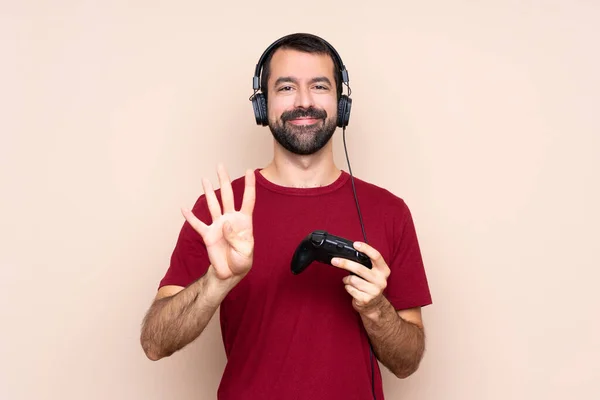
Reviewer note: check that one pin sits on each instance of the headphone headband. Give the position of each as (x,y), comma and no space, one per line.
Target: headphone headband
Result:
(256,77)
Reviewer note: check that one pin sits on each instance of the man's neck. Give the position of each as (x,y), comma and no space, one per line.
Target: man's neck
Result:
(292,170)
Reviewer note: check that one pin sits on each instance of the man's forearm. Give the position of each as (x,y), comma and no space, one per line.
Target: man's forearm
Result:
(398,344)
(173,322)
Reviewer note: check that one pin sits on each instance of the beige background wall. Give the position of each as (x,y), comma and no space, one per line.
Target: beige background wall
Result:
(483,116)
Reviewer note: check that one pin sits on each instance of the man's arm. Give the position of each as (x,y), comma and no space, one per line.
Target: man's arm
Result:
(398,337)
(178,316)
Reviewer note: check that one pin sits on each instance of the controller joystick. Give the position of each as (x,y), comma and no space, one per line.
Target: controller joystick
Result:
(323,246)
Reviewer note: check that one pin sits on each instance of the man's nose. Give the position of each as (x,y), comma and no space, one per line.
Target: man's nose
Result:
(304,98)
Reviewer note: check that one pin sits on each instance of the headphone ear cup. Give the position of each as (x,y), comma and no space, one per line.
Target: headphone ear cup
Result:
(256,108)
(344,107)
(259,104)
(263,110)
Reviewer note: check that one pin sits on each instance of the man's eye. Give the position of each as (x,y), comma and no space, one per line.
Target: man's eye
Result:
(285,88)
(321,87)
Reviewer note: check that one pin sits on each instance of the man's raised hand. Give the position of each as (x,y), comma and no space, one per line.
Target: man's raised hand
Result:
(229,239)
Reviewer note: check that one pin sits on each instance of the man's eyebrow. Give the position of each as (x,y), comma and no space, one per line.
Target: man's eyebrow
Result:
(285,79)
(290,79)
(321,79)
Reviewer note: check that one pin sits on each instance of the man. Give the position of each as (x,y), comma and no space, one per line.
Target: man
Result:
(305,336)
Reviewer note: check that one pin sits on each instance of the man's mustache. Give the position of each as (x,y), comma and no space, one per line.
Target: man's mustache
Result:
(310,112)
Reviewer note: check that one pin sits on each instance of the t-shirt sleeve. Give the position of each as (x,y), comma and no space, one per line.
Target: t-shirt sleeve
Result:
(407,285)
(189,260)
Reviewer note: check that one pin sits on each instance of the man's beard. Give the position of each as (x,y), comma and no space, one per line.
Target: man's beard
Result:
(303,139)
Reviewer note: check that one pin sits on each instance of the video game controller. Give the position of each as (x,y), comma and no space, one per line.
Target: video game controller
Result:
(323,246)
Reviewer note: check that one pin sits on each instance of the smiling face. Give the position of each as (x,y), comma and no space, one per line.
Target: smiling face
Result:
(302,100)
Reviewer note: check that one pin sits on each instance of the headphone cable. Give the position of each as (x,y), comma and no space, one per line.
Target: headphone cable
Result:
(362,225)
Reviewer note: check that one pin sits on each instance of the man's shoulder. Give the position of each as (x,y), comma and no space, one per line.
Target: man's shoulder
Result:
(376,192)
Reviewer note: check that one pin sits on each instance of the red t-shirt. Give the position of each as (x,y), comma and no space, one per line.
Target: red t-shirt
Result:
(297,336)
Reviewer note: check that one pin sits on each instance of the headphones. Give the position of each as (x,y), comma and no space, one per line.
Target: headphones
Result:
(259,102)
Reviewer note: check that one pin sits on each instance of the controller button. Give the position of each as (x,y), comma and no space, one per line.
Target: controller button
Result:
(317,238)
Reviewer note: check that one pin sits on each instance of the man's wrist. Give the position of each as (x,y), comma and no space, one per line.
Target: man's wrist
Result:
(376,312)
(216,289)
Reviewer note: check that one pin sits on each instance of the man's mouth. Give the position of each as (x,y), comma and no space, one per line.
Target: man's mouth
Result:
(303,121)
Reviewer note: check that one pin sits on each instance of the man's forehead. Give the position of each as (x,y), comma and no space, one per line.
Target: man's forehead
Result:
(290,61)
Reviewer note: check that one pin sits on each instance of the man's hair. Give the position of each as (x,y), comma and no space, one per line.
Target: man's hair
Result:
(307,44)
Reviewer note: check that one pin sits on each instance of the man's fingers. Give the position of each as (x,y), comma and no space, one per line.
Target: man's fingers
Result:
(226,190)
(374,255)
(354,267)
(362,285)
(360,298)
(249,193)
(198,225)
(211,199)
